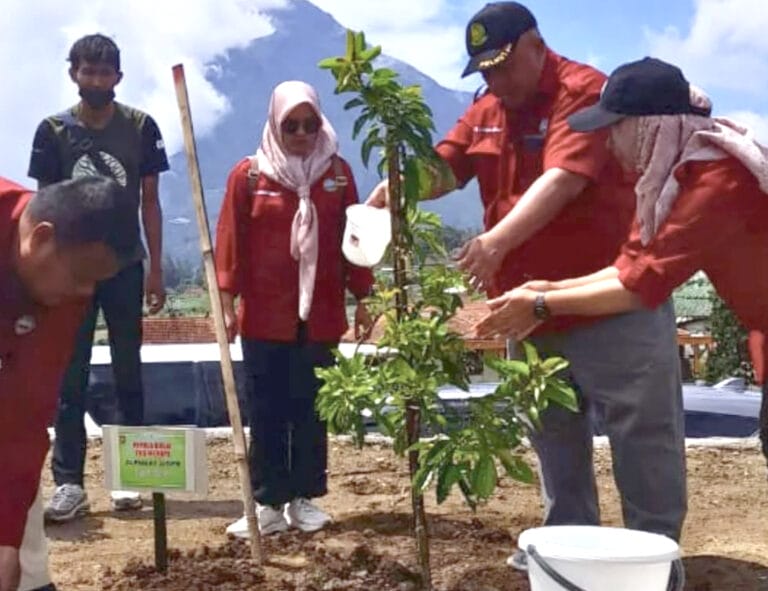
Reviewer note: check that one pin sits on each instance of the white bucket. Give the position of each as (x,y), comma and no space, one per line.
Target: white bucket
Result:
(591,558)
(366,235)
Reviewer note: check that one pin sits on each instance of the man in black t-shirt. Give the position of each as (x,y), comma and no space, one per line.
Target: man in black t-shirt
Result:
(99,136)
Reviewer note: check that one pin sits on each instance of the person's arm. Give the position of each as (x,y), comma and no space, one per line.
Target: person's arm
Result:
(598,298)
(44,159)
(545,285)
(152,220)
(359,280)
(512,314)
(570,161)
(153,161)
(758,354)
(10,568)
(230,245)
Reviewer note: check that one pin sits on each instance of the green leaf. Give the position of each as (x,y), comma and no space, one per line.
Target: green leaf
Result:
(531,355)
(446,478)
(330,63)
(484,476)
(355,102)
(563,395)
(371,53)
(359,124)
(515,466)
(350,44)
(553,365)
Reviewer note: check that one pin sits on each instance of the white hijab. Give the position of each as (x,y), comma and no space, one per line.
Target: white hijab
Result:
(665,142)
(298,174)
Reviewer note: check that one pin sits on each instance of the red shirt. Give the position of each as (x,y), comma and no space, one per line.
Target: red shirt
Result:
(718,224)
(36,345)
(508,151)
(253,257)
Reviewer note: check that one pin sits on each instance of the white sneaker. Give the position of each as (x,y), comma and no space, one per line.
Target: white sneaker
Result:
(68,502)
(123,500)
(306,516)
(271,521)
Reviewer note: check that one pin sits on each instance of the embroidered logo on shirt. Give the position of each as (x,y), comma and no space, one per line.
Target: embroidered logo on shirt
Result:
(24,325)
(477,129)
(329,185)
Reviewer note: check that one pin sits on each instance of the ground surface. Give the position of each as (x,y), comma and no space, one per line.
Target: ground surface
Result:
(369,547)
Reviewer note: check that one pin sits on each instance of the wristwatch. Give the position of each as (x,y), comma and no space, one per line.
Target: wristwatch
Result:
(540,308)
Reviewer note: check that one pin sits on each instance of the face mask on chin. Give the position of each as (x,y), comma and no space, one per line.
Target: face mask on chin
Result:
(96,98)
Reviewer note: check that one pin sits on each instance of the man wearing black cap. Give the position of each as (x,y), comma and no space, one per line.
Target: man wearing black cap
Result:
(702,204)
(558,205)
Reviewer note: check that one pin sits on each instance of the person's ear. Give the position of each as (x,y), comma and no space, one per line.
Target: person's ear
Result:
(42,237)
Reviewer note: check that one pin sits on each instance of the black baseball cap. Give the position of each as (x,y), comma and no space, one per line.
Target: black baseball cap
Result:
(646,87)
(492,33)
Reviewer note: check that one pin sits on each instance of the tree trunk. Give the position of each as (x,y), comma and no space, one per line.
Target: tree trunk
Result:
(412,412)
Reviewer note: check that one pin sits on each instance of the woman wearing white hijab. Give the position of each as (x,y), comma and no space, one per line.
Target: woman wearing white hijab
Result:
(702,204)
(278,247)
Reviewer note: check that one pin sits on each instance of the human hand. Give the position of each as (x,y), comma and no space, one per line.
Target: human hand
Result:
(10,568)
(511,316)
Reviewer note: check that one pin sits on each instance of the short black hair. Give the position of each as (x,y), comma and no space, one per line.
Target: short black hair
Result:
(96,49)
(89,210)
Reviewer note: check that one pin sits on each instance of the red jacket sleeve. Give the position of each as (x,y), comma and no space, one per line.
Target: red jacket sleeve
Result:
(230,231)
(453,149)
(359,279)
(700,223)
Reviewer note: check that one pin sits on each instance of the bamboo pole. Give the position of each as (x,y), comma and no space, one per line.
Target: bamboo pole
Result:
(412,411)
(227,373)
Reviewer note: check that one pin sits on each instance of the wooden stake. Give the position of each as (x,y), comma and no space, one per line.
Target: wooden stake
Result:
(161,532)
(227,373)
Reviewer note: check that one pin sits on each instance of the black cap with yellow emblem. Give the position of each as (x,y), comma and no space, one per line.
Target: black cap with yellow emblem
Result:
(493,32)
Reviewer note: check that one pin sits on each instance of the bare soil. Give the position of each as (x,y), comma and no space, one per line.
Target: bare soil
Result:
(369,546)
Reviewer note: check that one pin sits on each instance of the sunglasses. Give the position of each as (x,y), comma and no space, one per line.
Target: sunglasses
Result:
(310,125)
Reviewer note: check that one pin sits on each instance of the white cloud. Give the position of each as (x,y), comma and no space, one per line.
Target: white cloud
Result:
(153,36)
(427,34)
(755,121)
(726,47)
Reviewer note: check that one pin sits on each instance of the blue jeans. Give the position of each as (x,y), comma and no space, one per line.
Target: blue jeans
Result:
(120,298)
(288,453)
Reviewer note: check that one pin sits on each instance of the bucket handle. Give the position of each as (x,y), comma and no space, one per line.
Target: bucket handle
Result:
(551,572)
(677,583)
(677,567)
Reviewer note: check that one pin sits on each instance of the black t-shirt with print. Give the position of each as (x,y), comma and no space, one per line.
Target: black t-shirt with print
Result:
(128,148)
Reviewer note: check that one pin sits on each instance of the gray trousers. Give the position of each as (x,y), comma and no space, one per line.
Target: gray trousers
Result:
(627,374)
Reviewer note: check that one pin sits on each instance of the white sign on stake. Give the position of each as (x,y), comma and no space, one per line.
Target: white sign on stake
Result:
(156,459)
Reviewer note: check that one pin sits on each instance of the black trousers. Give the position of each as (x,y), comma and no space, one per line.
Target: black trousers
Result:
(288,453)
(121,300)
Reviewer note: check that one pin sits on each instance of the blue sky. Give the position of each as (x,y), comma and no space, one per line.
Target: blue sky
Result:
(722,45)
